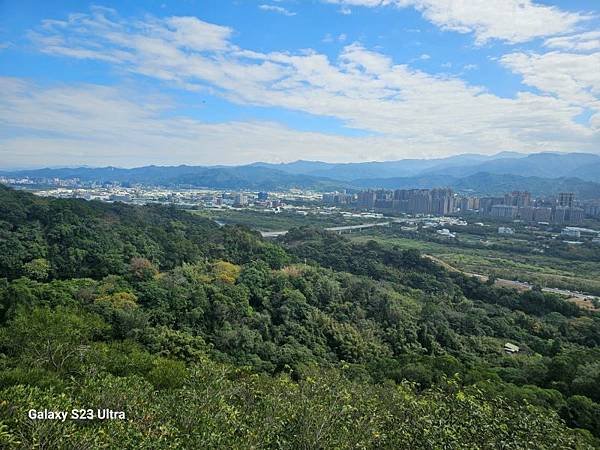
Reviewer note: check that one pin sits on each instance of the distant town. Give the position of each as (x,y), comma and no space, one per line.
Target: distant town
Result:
(563,209)
(422,204)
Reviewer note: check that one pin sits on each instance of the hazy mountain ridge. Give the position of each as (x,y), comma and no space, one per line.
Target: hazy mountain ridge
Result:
(541,173)
(237,177)
(484,183)
(545,165)
(383,169)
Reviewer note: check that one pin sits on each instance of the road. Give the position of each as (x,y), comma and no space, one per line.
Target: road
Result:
(339,230)
(519,285)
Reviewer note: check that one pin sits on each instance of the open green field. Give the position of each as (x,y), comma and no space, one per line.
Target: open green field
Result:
(535,268)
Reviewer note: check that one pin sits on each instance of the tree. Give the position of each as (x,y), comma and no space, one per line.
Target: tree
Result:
(142,269)
(226,272)
(168,374)
(37,269)
(57,339)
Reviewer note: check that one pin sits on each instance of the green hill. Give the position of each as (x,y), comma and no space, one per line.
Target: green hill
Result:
(210,337)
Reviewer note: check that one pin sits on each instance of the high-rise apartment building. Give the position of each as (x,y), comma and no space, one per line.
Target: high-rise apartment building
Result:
(504,211)
(566,199)
(517,198)
(442,202)
(486,204)
(366,199)
(240,199)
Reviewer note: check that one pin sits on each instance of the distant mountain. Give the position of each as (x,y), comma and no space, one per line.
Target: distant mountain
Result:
(540,173)
(418,182)
(545,165)
(489,184)
(384,169)
(588,172)
(240,177)
(251,177)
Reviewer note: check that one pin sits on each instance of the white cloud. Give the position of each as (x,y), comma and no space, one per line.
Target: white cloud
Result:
(328,39)
(345,11)
(277,9)
(409,111)
(571,77)
(513,21)
(583,42)
(100,125)
(191,33)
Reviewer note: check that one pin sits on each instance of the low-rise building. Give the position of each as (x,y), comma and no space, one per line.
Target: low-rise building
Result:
(505,230)
(511,348)
(571,233)
(446,233)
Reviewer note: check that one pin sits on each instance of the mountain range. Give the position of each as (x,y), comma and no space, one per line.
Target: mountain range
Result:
(540,173)
(585,166)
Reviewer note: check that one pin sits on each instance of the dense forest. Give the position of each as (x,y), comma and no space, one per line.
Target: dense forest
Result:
(211,337)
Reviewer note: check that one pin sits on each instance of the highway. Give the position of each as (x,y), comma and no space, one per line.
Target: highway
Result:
(339,230)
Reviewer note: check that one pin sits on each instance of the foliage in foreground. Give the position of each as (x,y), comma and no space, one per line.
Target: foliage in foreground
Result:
(211,337)
(218,406)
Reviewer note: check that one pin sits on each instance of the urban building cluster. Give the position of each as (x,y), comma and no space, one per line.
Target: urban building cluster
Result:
(242,199)
(184,198)
(57,182)
(439,202)
(517,205)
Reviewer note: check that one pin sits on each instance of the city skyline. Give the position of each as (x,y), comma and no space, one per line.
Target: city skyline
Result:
(204,83)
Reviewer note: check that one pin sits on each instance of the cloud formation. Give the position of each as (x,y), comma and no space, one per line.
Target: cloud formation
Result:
(100,125)
(581,42)
(570,77)
(277,9)
(404,111)
(513,21)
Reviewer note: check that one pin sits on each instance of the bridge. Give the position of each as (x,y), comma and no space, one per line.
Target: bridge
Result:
(273,234)
(351,228)
(338,230)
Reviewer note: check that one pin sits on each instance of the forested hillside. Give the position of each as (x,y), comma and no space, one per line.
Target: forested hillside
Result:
(210,337)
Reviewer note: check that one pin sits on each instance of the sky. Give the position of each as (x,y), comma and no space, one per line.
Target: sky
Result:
(202,82)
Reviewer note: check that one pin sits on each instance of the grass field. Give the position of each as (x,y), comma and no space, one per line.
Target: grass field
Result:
(533,268)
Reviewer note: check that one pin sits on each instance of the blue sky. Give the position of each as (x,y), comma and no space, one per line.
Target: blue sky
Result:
(129,83)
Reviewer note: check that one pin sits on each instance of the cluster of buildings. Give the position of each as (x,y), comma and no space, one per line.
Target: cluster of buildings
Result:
(242,199)
(26,181)
(187,198)
(592,208)
(578,232)
(439,202)
(517,205)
